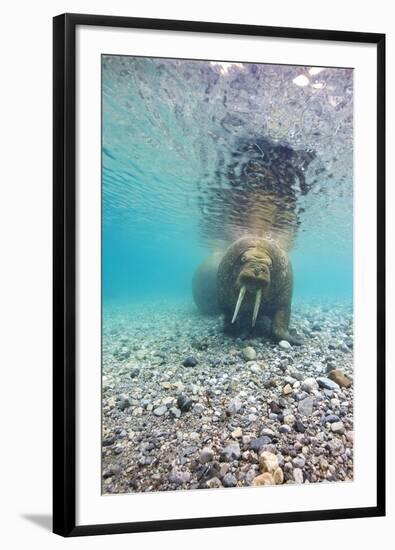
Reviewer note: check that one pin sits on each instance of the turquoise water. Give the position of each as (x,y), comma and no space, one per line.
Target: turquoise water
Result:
(171,129)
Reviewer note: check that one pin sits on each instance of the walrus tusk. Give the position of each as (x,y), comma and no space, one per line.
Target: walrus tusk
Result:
(258,299)
(238,304)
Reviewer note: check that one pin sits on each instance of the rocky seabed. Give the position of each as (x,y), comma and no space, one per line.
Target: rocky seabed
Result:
(186,407)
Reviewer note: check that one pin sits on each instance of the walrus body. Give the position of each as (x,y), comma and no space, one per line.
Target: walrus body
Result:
(255,280)
(204,285)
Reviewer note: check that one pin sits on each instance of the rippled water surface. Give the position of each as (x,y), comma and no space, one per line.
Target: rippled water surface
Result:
(195,151)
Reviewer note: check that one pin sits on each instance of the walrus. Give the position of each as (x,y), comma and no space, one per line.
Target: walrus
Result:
(204,285)
(255,279)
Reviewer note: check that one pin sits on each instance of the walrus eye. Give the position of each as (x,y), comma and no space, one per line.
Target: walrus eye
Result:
(243,259)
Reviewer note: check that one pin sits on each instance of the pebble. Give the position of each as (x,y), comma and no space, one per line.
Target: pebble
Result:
(135,371)
(299,426)
(160,411)
(267,432)
(255,369)
(175,412)
(249,353)
(285,344)
(237,433)
(263,479)
(184,403)
(231,452)
(275,407)
(229,480)
(124,402)
(340,378)
(112,470)
(198,409)
(309,385)
(206,455)
(258,443)
(289,419)
(168,401)
(285,429)
(327,384)
(332,418)
(268,462)
(278,476)
(213,483)
(287,389)
(299,462)
(336,447)
(178,477)
(190,362)
(250,475)
(350,436)
(234,406)
(305,407)
(298,475)
(107,441)
(337,427)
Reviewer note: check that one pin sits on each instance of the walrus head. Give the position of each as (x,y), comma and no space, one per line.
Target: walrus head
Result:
(253,278)
(245,275)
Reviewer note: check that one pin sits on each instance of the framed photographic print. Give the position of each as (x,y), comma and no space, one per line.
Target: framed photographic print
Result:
(218,275)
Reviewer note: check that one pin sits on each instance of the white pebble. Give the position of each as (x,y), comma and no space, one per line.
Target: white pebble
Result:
(284,344)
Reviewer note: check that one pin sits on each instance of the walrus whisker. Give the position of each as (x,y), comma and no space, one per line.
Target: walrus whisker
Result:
(239,301)
(257,304)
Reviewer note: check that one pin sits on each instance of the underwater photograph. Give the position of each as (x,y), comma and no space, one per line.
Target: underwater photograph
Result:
(227,274)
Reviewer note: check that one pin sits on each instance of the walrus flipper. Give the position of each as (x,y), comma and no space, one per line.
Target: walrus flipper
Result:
(280,324)
(282,311)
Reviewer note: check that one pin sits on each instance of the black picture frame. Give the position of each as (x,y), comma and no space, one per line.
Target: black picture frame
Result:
(64,273)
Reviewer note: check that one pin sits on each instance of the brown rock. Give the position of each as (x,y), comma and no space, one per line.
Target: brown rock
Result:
(263,479)
(340,378)
(268,462)
(278,476)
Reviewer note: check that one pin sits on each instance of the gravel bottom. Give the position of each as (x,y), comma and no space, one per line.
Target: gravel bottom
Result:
(186,407)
